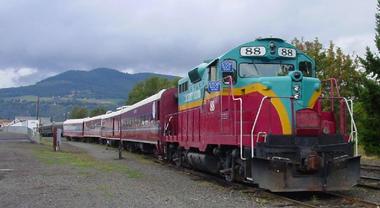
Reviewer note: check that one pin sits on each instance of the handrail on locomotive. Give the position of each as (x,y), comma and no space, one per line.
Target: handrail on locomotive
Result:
(353,130)
(230,83)
(350,107)
(353,137)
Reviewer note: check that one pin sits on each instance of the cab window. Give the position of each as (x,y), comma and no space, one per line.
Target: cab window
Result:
(265,69)
(212,73)
(183,87)
(306,68)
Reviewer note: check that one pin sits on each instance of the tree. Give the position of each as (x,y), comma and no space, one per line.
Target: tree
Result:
(97,111)
(149,87)
(78,112)
(370,94)
(333,63)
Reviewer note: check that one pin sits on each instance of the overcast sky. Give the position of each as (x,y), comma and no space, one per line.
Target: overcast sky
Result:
(40,38)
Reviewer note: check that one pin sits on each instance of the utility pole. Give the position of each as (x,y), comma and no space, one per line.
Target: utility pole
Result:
(37,118)
(38,107)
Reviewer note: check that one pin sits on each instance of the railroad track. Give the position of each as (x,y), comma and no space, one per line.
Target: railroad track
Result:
(295,199)
(366,167)
(367,180)
(327,199)
(301,199)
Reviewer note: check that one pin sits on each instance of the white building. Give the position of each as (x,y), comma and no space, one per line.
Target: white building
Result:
(30,122)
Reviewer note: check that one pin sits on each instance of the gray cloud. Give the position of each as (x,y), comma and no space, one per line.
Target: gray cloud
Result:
(168,36)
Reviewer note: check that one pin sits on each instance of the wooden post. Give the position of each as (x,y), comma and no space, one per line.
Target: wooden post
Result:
(54,130)
(120,150)
(121,141)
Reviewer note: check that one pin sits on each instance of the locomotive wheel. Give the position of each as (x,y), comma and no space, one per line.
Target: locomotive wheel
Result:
(129,148)
(230,173)
(177,158)
(229,177)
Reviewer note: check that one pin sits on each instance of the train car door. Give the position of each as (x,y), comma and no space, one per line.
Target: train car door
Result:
(212,104)
(227,113)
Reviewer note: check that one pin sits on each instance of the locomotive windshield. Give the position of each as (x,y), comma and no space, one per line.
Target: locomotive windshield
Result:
(265,70)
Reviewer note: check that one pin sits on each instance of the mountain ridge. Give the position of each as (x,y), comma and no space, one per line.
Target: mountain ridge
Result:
(100,87)
(97,83)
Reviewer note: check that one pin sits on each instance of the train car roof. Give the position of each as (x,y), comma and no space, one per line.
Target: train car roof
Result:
(115,113)
(93,118)
(73,121)
(145,101)
(112,114)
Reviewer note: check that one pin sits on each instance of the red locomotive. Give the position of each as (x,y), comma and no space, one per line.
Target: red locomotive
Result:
(254,114)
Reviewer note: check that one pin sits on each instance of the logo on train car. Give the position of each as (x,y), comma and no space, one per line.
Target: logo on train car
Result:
(193,96)
(227,66)
(214,86)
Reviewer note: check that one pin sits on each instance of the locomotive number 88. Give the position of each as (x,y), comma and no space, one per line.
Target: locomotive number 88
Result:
(256,114)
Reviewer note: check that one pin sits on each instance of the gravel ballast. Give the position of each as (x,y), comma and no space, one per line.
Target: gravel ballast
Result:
(89,175)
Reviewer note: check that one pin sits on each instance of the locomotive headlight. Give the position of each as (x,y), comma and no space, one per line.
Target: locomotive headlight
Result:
(296,88)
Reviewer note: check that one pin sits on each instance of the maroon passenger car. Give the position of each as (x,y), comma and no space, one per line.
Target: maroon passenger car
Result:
(92,126)
(73,128)
(142,124)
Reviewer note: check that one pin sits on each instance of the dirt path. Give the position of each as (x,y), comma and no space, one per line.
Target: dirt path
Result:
(88,175)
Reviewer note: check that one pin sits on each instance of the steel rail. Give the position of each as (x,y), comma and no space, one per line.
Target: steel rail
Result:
(354,199)
(370,167)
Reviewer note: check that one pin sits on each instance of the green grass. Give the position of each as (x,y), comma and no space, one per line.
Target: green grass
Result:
(365,155)
(81,161)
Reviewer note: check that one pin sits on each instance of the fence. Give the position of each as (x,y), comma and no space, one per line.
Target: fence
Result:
(19,133)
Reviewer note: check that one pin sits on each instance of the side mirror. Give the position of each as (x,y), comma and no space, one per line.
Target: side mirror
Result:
(194,76)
